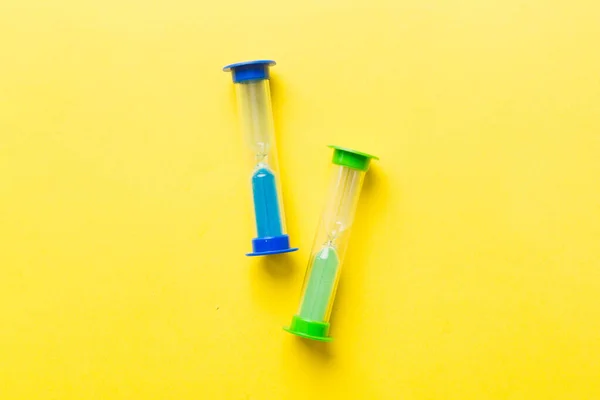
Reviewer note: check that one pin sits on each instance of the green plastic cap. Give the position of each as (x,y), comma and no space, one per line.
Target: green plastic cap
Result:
(309,329)
(352,158)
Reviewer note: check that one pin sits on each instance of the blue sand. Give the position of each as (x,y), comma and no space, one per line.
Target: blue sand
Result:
(266,204)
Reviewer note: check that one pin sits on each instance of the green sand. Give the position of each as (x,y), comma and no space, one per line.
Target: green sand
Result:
(320,285)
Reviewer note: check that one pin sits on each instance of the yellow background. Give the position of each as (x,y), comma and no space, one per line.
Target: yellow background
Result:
(474,268)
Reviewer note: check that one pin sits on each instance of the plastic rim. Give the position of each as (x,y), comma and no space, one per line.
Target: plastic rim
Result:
(264,246)
(268,63)
(249,71)
(352,158)
(271,252)
(309,329)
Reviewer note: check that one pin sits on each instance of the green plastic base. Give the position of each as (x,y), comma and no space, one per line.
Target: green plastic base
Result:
(309,329)
(352,158)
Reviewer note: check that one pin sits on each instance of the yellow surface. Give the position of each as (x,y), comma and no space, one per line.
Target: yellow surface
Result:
(474,270)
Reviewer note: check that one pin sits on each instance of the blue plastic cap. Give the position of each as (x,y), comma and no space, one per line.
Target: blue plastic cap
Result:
(271,245)
(249,70)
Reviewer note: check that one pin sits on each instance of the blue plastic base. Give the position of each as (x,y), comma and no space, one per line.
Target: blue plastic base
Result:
(268,253)
(256,70)
(271,245)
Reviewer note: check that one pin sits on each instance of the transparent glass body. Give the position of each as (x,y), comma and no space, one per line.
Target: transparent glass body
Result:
(331,241)
(256,115)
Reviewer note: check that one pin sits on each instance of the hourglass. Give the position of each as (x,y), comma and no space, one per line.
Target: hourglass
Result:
(331,240)
(251,80)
